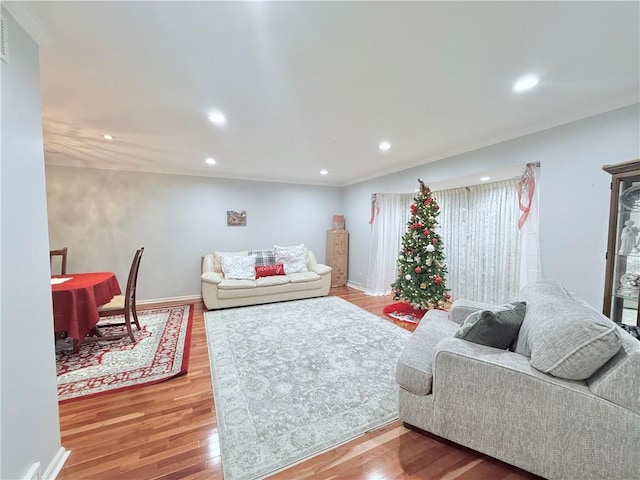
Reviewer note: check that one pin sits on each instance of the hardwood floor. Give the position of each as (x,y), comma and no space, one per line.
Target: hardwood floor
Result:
(169,431)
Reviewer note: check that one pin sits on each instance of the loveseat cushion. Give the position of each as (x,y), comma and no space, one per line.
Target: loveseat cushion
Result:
(414,369)
(563,336)
(496,327)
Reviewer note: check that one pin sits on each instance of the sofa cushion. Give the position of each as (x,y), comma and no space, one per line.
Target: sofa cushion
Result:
(563,336)
(414,369)
(293,257)
(303,277)
(494,328)
(303,286)
(269,270)
(271,281)
(257,295)
(228,284)
(239,268)
(264,257)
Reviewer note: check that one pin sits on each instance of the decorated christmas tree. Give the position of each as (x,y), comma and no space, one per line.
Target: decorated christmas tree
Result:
(421,280)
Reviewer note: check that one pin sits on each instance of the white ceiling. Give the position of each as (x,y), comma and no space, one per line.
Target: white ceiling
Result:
(317,85)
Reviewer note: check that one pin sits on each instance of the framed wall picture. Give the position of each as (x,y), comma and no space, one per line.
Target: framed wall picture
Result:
(236,219)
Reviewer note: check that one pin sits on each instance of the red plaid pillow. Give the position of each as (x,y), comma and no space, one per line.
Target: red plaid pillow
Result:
(269,270)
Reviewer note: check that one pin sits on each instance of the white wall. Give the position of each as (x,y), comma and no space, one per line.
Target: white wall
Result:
(29,427)
(574,193)
(103,216)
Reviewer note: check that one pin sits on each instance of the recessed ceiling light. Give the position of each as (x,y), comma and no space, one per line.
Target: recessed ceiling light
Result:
(210,161)
(106,136)
(525,83)
(218,118)
(384,146)
(485,179)
(324,172)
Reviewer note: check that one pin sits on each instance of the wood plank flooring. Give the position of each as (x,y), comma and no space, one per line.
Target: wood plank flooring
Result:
(169,431)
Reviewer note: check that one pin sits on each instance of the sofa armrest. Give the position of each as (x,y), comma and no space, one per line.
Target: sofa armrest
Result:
(321,269)
(211,277)
(207,263)
(461,309)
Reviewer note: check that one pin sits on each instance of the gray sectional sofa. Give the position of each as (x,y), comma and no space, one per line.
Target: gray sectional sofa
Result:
(564,405)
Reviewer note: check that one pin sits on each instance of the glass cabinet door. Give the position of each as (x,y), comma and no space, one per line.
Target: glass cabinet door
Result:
(622,286)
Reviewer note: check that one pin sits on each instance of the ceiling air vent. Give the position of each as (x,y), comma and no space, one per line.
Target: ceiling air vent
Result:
(4,41)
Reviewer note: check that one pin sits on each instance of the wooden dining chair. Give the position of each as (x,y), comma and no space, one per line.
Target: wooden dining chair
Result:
(126,304)
(62,253)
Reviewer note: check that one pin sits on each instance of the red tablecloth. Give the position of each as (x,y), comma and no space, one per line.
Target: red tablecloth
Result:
(76,301)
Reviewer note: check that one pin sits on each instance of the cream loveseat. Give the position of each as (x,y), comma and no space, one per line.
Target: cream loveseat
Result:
(564,405)
(311,279)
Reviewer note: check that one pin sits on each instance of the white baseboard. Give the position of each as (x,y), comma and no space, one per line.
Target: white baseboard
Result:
(56,464)
(183,299)
(355,285)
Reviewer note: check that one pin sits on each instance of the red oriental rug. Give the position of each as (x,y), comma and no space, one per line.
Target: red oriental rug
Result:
(404,312)
(160,353)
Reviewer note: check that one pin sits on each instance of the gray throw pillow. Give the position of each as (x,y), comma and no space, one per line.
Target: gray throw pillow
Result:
(497,328)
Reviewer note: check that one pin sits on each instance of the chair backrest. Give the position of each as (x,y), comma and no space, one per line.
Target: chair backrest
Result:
(63,253)
(130,293)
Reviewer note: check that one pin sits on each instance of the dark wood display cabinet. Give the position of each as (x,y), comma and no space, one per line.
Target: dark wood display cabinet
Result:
(622,282)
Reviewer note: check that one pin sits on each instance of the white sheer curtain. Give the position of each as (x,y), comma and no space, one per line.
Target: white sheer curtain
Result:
(478,226)
(389,216)
(529,195)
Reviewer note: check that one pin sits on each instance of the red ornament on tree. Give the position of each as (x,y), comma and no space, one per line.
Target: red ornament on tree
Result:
(413,208)
(437,280)
(428,201)
(418,269)
(426,232)
(434,241)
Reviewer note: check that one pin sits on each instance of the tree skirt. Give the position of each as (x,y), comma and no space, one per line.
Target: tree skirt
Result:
(404,312)
(161,352)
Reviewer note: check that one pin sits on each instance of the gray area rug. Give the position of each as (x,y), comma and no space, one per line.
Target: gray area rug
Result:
(294,379)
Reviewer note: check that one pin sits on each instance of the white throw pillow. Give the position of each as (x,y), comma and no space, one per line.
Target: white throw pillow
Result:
(239,268)
(217,258)
(294,258)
